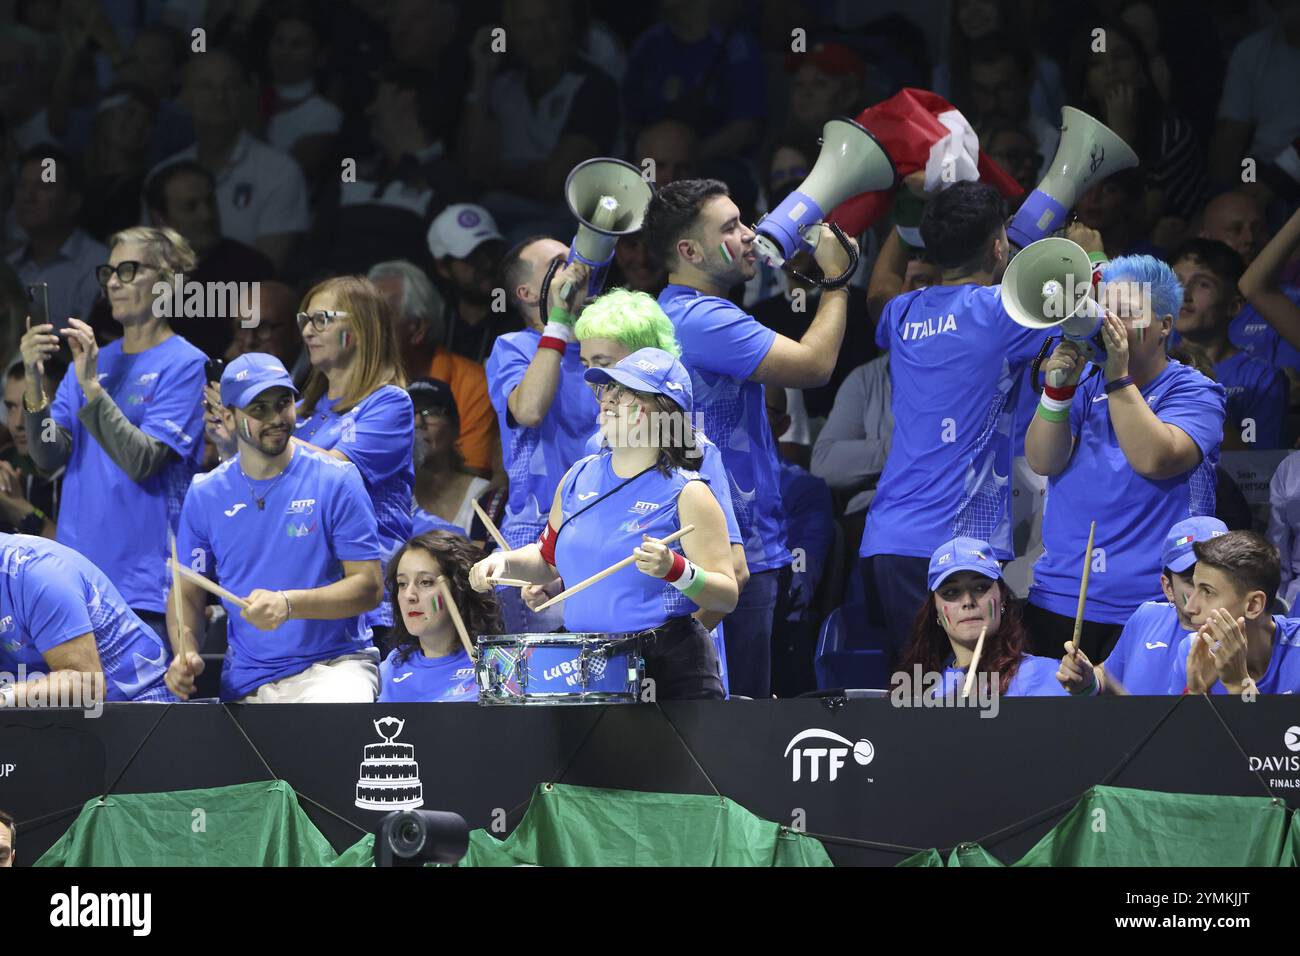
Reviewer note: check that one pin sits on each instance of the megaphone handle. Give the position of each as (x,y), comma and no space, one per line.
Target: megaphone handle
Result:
(543,293)
(843,278)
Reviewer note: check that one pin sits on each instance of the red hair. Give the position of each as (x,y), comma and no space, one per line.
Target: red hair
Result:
(930,647)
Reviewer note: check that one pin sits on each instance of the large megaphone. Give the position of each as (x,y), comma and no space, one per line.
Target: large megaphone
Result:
(1089,151)
(1049,285)
(851,161)
(608,197)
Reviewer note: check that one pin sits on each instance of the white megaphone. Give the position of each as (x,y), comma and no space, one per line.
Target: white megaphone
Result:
(1089,151)
(851,161)
(1049,285)
(608,197)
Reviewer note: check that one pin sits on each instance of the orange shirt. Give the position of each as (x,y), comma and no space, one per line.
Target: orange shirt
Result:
(478,422)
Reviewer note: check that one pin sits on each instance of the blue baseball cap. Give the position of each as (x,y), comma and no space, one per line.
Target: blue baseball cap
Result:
(649,370)
(1178,555)
(250,375)
(962,554)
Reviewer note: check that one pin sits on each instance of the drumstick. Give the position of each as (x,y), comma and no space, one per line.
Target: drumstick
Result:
(491,528)
(200,581)
(509,582)
(454,611)
(1083,587)
(601,575)
(974,662)
(178,643)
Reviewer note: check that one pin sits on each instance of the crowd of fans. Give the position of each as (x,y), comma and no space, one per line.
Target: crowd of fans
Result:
(391,175)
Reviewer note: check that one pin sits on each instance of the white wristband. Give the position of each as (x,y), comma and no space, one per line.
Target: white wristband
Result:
(558,330)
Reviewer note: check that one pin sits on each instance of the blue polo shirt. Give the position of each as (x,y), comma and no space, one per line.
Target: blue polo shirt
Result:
(1282,676)
(412,677)
(1034,677)
(1258,392)
(1251,332)
(1141,658)
(537,458)
(722,346)
(1133,513)
(317,515)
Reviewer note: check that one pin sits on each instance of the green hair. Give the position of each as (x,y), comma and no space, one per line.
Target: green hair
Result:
(631,318)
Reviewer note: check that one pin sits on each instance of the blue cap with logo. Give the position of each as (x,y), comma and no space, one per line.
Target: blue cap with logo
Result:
(1178,555)
(649,370)
(250,375)
(962,554)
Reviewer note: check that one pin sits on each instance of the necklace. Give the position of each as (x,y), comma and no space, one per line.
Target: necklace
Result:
(261,502)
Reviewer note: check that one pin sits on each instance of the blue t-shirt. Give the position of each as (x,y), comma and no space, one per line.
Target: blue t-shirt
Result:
(1133,513)
(1035,677)
(1282,676)
(50,594)
(377,434)
(417,678)
(722,346)
(666,74)
(317,515)
(423,521)
(810,513)
(1141,658)
(1251,332)
(711,470)
(121,525)
(955,357)
(606,533)
(1258,391)
(537,458)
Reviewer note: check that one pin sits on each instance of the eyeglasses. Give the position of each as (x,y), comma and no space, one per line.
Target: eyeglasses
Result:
(621,394)
(320,320)
(125,271)
(436,414)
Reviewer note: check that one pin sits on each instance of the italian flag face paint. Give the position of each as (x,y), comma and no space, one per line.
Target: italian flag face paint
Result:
(726,253)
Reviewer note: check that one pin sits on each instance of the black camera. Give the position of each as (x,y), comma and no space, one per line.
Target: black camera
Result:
(417,837)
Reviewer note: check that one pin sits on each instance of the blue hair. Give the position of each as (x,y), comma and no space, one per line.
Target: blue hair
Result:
(1152,273)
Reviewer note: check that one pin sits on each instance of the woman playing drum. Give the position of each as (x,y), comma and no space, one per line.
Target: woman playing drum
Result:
(620,502)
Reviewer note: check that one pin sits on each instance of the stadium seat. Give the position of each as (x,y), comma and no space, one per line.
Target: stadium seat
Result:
(849,652)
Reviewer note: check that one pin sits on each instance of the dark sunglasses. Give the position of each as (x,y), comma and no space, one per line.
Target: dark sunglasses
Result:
(125,271)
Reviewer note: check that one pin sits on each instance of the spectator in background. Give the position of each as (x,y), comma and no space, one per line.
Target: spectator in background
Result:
(29,499)
(686,68)
(417,310)
(674,147)
(810,534)
(387,211)
(827,82)
(853,445)
(58,252)
(299,121)
(1284,525)
(1012,147)
(544,409)
(998,88)
(1257,392)
(127,419)
(444,487)
(118,158)
(634,267)
(275,332)
(467,248)
(22,92)
(261,193)
(1113,207)
(1259,113)
(1116,87)
(526,125)
(153,62)
(1262,287)
(183,196)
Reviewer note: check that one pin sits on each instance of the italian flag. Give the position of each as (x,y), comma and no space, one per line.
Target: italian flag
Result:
(921,131)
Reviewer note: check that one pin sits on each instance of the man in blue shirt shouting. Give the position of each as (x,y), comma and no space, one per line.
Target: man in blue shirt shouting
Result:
(292,531)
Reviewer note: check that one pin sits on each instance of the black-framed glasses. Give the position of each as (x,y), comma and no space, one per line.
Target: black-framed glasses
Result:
(125,271)
(432,413)
(320,320)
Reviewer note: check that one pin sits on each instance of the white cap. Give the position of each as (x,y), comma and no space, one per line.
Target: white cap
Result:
(460,229)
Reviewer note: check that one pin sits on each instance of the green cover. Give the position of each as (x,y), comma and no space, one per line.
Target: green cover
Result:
(1113,826)
(250,824)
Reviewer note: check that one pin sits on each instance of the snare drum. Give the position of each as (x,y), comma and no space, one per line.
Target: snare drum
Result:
(559,669)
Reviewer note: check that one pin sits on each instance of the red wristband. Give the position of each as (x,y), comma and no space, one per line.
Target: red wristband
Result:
(677,570)
(547,543)
(1062,394)
(551,342)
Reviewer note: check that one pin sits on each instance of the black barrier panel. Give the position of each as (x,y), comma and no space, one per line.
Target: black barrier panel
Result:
(874,780)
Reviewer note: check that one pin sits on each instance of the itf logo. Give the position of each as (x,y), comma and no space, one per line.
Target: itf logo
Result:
(799,751)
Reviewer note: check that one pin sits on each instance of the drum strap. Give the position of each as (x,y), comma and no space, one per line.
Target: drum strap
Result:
(617,488)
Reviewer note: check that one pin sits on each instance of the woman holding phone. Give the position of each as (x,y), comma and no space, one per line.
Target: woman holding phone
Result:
(125,421)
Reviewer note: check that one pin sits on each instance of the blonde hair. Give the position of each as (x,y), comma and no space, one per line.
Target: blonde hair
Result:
(169,251)
(377,360)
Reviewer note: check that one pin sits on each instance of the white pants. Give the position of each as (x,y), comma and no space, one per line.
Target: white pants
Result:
(352,679)
(1028,498)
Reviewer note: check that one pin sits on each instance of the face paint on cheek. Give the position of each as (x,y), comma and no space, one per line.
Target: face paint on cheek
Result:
(247,432)
(344,339)
(438,603)
(946,618)
(726,253)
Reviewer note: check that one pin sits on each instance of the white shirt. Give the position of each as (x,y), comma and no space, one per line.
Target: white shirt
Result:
(465,516)
(70,274)
(314,116)
(1261,88)
(260,192)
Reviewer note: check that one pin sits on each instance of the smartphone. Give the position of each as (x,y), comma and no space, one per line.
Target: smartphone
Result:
(38,307)
(214,368)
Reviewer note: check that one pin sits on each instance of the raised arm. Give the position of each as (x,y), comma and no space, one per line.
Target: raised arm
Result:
(1261,284)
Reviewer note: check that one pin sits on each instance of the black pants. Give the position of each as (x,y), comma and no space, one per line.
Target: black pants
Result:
(681,660)
(1048,632)
(896,587)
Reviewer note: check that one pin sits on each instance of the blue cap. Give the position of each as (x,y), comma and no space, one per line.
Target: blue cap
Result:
(649,370)
(250,375)
(962,554)
(1178,555)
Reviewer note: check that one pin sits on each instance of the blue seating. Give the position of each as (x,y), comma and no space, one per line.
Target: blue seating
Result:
(850,653)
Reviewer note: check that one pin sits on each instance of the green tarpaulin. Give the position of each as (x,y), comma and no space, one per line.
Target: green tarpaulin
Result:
(1112,826)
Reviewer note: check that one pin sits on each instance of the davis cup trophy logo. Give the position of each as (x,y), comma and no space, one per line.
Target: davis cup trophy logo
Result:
(390,777)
